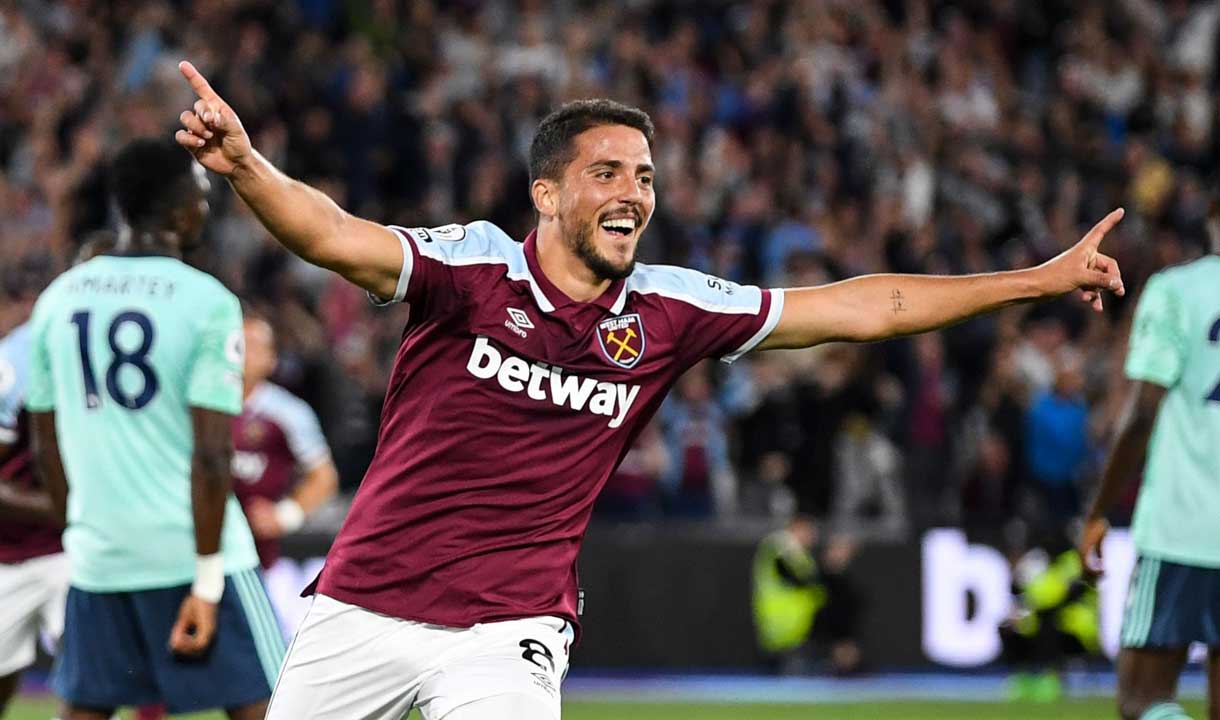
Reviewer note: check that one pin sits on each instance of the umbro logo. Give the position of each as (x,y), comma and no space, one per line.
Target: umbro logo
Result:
(520,319)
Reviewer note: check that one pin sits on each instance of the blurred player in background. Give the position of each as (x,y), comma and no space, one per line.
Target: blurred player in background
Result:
(525,372)
(134,376)
(33,567)
(1172,427)
(282,468)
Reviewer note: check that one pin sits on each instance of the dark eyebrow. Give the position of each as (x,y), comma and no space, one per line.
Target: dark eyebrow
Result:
(616,164)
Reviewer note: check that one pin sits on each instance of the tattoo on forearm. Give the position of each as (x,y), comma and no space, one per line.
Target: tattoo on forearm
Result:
(899,301)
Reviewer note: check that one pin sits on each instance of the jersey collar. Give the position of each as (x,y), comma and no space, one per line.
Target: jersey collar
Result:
(612,300)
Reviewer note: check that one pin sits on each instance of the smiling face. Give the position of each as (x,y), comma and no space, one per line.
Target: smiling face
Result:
(604,199)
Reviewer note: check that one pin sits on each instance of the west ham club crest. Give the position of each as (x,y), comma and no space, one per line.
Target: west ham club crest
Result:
(622,339)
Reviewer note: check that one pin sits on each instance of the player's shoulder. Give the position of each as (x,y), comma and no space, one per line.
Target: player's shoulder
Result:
(14,358)
(475,243)
(273,401)
(14,344)
(201,283)
(692,287)
(1186,273)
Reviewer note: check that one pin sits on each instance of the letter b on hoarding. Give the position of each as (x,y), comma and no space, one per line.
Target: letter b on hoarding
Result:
(956,631)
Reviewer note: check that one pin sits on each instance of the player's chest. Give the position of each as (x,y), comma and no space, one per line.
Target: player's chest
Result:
(587,340)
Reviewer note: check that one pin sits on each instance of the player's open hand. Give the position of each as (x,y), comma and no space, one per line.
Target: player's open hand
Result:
(1083,267)
(195,628)
(211,130)
(1091,538)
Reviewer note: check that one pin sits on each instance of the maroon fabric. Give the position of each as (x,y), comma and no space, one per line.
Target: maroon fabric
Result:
(263,467)
(479,494)
(21,541)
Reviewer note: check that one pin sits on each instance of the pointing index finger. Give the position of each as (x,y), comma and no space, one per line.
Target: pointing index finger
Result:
(1100,229)
(198,82)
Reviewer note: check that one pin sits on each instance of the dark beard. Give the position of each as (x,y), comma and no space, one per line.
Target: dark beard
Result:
(581,243)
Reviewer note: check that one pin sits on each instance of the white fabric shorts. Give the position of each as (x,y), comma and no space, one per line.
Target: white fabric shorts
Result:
(33,595)
(349,663)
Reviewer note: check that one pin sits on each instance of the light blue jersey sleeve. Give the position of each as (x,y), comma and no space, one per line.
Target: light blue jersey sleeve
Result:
(14,364)
(40,385)
(1158,347)
(215,381)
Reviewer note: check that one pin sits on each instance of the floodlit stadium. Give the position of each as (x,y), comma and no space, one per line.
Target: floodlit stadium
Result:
(518,359)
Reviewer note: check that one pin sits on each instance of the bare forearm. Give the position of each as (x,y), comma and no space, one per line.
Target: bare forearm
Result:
(877,307)
(210,485)
(318,486)
(1130,447)
(48,465)
(301,218)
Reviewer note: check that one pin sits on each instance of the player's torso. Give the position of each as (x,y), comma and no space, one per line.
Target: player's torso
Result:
(538,405)
(1181,495)
(121,336)
(263,464)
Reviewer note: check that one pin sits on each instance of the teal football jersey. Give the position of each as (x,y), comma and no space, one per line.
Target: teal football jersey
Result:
(121,349)
(1175,343)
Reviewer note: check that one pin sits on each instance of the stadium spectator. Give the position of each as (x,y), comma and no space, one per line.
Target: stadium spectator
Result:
(880,121)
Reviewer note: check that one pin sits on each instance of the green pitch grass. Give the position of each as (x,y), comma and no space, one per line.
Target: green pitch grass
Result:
(1073,709)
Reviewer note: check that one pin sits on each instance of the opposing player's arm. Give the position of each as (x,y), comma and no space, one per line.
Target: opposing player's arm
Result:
(303,219)
(877,307)
(49,465)
(1130,448)
(211,476)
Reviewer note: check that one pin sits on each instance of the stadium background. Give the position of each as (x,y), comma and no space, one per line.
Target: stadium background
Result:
(798,142)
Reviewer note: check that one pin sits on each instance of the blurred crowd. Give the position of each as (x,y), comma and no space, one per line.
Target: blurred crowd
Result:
(798,143)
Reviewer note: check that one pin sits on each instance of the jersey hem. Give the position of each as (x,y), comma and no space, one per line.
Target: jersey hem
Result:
(1178,558)
(1143,375)
(768,326)
(361,601)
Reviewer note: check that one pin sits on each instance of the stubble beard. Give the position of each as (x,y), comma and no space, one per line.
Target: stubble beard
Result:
(580,242)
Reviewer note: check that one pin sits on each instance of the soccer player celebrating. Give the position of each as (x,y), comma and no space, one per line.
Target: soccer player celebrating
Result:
(276,439)
(526,369)
(1171,426)
(134,377)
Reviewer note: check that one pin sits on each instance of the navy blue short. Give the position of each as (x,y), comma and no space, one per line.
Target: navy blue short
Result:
(1170,605)
(115,650)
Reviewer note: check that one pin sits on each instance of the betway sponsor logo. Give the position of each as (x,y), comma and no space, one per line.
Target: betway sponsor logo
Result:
(542,382)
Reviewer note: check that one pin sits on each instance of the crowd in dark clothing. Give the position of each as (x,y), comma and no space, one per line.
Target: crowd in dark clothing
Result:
(797,143)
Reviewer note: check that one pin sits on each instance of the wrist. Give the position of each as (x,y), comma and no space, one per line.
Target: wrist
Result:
(290,515)
(209,582)
(1034,283)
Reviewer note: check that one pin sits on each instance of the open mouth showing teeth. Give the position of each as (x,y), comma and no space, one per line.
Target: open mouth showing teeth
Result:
(619,226)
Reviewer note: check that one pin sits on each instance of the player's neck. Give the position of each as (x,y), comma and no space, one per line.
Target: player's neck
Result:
(147,241)
(564,269)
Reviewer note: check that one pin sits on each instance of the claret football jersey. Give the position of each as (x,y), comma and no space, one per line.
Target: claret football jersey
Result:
(508,407)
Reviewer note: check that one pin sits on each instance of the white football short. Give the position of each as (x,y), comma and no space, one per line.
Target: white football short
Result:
(349,663)
(33,595)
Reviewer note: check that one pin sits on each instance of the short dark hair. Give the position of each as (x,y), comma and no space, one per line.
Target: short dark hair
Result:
(552,149)
(147,177)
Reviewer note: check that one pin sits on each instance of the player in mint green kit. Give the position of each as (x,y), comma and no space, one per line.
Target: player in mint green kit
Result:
(1173,417)
(134,379)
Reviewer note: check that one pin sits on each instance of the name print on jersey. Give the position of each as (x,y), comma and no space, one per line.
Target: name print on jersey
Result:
(515,374)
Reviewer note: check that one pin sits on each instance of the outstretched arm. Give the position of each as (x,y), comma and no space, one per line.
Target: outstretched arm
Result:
(878,307)
(1134,430)
(301,218)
